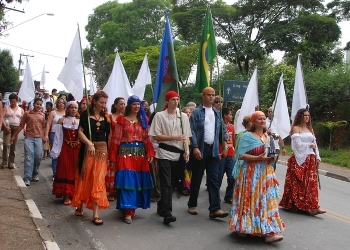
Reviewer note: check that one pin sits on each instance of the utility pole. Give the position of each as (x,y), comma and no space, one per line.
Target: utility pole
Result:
(20,61)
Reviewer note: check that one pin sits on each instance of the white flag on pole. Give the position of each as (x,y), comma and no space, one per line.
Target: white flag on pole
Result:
(299,93)
(93,87)
(144,78)
(118,84)
(250,101)
(281,119)
(43,78)
(27,90)
(72,73)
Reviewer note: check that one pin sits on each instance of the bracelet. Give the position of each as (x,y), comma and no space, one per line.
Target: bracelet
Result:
(91,144)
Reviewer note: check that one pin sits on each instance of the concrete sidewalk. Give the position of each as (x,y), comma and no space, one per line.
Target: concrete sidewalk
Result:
(21,224)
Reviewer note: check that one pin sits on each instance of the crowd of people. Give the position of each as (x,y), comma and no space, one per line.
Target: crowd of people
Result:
(136,156)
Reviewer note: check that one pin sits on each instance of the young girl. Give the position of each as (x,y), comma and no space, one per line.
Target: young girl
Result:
(34,120)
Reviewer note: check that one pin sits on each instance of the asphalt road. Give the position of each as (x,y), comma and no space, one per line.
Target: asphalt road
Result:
(328,231)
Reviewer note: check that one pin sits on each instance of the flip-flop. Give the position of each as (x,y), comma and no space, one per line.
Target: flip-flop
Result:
(97,221)
(79,212)
(67,202)
(128,221)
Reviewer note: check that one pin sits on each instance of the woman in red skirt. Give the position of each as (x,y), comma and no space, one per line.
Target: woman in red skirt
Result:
(66,149)
(301,184)
(116,110)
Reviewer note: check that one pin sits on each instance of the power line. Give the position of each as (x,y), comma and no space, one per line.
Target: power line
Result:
(33,51)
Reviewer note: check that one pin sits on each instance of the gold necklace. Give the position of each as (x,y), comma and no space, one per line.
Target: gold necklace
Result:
(98,124)
(261,136)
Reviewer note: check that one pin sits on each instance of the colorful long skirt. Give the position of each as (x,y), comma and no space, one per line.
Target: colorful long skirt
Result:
(90,183)
(63,184)
(301,185)
(133,179)
(255,206)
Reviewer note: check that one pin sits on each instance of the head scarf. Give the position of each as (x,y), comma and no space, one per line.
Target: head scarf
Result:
(71,103)
(142,113)
(255,115)
(170,94)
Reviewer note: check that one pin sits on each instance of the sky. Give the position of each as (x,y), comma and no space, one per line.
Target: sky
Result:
(49,38)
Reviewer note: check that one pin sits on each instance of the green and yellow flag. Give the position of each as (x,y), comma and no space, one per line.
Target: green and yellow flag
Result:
(207,53)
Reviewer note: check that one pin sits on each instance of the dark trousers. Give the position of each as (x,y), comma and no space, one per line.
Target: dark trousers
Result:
(211,164)
(168,171)
(226,167)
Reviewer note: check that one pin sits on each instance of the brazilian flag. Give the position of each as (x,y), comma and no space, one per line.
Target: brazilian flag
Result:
(207,53)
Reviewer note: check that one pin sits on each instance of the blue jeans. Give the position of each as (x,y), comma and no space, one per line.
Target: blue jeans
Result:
(211,164)
(33,149)
(226,166)
(54,161)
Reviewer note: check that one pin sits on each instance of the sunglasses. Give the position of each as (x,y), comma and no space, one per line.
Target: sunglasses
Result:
(217,102)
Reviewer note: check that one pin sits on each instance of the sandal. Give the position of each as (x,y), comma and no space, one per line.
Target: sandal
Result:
(67,202)
(110,198)
(97,221)
(79,212)
(12,166)
(128,221)
(44,158)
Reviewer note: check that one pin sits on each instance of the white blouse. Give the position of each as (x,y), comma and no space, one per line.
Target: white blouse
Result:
(301,146)
(68,123)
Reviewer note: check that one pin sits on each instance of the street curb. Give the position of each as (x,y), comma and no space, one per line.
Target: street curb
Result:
(40,223)
(325,173)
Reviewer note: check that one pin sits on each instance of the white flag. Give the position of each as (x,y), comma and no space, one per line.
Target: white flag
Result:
(43,78)
(118,84)
(144,78)
(27,90)
(299,93)
(93,87)
(281,119)
(72,73)
(250,101)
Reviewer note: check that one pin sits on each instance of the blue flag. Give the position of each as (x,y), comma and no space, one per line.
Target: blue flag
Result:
(167,76)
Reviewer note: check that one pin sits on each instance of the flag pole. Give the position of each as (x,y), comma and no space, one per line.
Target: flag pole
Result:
(82,62)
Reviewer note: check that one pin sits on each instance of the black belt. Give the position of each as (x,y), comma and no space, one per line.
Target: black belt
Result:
(170,148)
(208,145)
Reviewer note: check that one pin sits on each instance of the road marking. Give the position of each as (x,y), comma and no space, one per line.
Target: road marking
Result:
(19,181)
(33,209)
(338,216)
(51,245)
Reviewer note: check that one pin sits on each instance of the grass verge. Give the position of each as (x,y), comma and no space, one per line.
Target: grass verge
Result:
(340,157)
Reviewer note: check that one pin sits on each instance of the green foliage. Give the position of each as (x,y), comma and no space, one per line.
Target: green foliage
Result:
(9,77)
(330,126)
(338,157)
(270,82)
(126,26)
(327,90)
(340,9)
(249,30)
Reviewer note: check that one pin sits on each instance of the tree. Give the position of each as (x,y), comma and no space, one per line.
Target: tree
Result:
(3,22)
(8,73)
(331,126)
(127,26)
(251,29)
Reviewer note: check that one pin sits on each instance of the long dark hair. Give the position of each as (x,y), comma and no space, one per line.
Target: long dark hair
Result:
(298,119)
(99,94)
(116,101)
(128,111)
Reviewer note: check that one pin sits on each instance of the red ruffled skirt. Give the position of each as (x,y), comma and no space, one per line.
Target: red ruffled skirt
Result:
(301,185)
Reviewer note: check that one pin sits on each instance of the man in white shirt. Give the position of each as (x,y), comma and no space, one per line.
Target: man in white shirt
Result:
(171,128)
(46,98)
(272,130)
